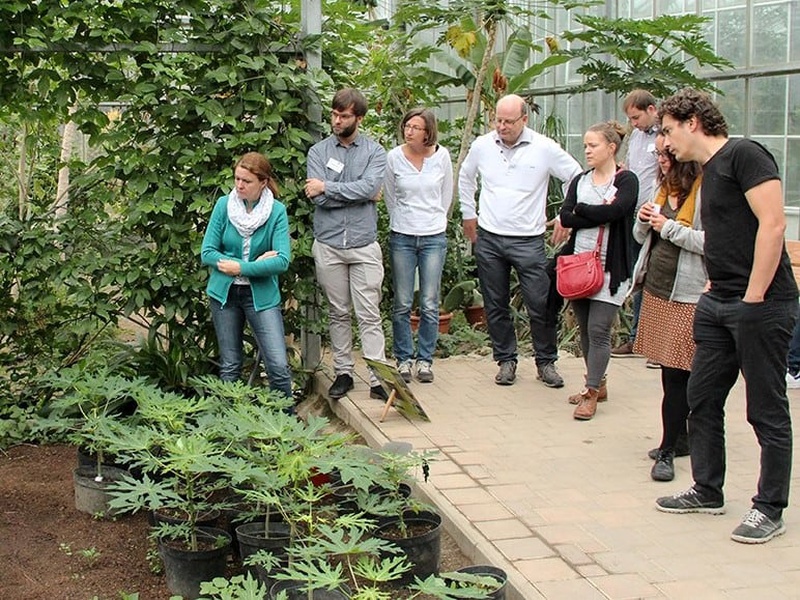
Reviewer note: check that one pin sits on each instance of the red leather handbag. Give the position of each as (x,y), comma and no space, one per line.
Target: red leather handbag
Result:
(580,275)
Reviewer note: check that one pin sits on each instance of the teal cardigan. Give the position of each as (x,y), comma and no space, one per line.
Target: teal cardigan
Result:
(222,241)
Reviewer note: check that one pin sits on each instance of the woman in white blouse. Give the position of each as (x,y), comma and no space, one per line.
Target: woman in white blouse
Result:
(418,192)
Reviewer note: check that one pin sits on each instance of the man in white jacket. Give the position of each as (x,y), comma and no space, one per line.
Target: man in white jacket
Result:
(514,164)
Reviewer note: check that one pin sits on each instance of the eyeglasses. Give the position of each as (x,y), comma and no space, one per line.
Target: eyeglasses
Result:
(662,154)
(508,122)
(413,128)
(342,116)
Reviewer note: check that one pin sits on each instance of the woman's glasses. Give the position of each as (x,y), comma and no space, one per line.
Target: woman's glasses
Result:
(413,128)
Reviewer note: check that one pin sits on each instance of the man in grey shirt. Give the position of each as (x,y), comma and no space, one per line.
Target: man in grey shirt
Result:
(642,112)
(345,174)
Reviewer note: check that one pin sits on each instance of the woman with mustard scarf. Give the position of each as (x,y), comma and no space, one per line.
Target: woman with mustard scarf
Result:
(672,275)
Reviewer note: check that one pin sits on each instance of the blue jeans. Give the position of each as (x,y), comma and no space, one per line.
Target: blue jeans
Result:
(495,255)
(267,326)
(733,336)
(409,253)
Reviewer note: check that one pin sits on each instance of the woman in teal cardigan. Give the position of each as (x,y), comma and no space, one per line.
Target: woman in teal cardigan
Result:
(247,246)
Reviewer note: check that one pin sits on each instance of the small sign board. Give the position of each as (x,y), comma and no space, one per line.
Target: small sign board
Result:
(400,395)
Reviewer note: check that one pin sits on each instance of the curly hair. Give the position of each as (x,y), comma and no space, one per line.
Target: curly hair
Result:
(689,103)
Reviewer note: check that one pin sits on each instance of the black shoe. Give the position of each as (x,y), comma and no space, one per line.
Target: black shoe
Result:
(681,448)
(507,373)
(378,393)
(341,385)
(663,469)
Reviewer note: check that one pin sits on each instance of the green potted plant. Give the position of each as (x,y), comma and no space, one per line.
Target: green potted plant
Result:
(175,443)
(411,525)
(88,410)
(466,295)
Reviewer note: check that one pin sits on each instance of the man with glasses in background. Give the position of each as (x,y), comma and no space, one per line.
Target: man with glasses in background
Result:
(514,164)
(345,175)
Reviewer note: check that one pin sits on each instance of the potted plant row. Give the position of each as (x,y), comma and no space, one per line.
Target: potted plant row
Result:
(233,445)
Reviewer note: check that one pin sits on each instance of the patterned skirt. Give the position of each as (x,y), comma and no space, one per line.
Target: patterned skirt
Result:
(665,332)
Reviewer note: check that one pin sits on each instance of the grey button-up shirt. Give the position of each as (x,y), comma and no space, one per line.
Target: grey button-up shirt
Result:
(346,215)
(642,161)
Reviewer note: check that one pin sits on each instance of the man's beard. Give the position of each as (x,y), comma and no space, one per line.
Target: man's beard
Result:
(346,132)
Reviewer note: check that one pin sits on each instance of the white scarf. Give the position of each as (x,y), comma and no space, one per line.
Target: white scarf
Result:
(245,222)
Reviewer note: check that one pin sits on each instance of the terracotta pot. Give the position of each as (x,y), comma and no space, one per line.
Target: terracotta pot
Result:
(475,315)
(444,322)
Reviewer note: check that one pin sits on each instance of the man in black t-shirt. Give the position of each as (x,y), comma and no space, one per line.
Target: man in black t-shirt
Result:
(745,319)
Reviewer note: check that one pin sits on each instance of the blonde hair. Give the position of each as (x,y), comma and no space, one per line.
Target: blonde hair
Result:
(612,131)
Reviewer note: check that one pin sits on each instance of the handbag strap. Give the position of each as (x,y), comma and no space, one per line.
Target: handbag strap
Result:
(599,245)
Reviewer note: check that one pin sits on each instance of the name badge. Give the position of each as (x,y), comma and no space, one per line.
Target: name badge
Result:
(610,194)
(651,148)
(335,165)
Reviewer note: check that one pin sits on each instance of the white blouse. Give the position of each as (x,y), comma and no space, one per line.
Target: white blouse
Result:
(418,199)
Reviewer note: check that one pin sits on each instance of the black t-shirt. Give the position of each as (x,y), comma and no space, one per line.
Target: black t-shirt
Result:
(730,224)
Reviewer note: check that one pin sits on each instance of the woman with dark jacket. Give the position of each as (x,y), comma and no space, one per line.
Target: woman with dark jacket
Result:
(603,197)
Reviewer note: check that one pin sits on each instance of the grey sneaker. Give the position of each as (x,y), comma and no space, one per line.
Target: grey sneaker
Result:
(507,373)
(757,528)
(404,368)
(690,501)
(424,372)
(549,376)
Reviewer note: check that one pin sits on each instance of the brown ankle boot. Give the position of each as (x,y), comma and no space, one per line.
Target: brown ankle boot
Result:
(602,392)
(587,407)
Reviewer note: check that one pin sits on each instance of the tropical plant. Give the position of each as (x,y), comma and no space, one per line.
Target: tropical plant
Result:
(618,55)
(89,410)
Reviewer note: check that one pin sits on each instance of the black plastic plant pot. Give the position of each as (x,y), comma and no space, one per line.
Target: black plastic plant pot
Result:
(499,575)
(422,543)
(186,569)
(251,538)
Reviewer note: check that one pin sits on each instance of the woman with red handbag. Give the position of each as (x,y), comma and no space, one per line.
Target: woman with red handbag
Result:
(599,209)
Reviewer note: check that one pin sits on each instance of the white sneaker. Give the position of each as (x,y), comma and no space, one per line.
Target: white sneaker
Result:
(404,368)
(792,381)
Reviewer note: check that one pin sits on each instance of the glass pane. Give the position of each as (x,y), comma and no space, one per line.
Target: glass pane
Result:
(731,35)
(794,106)
(770,34)
(624,9)
(642,9)
(670,7)
(775,146)
(732,104)
(795,32)
(791,192)
(768,106)
(730,3)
